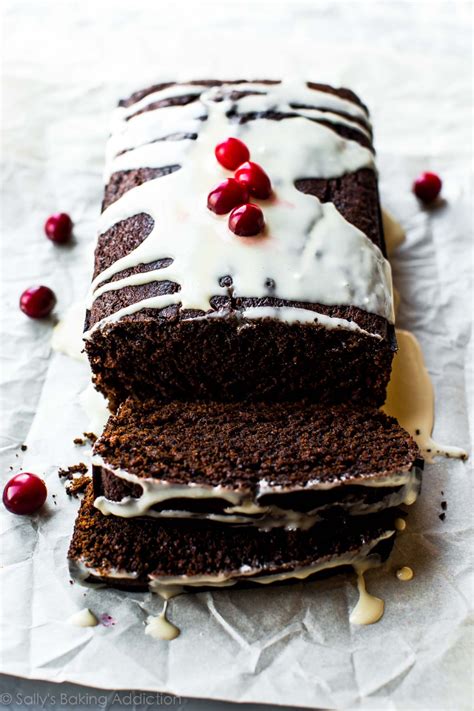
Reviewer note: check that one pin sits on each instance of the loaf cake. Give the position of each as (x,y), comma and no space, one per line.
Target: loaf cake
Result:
(244,367)
(261,464)
(180,308)
(141,554)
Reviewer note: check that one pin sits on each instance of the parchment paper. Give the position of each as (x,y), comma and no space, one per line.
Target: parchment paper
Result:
(65,65)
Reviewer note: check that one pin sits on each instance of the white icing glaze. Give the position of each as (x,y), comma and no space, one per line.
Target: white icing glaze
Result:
(267,517)
(254,575)
(279,97)
(167,592)
(292,314)
(80,571)
(393,232)
(169,92)
(242,502)
(95,406)
(67,334)
(170,586)
(309,250)
(410,398)
(405,573)
(161,125)
(400,524)
(159,627)
(84,618)
(369,609)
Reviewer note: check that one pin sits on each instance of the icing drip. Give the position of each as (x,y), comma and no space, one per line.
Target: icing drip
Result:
(159,627)
(161,124)
(394,236)
(67,334)
(410,398)
(393,232)
(292,314)
(170,586)
(95,406)
(243,504)
(167,587)
(309,251)
(246,572)
(400,524)
(84,618)
(369,609)
(405,573)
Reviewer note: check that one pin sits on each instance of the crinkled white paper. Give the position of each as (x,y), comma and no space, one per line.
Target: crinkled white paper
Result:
(65,65)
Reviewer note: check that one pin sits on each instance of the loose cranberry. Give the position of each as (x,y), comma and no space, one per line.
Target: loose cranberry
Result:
(37,301)
(232,153)
(246,220)
(58,228)
(24,494)
(427,187)
(255,180)
(227,195)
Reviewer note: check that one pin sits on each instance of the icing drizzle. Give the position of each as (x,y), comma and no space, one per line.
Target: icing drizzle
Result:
(369,609)
(309,252)
(410,398)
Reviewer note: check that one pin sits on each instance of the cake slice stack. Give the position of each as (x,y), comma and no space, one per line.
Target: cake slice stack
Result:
(196,494)
(244,372)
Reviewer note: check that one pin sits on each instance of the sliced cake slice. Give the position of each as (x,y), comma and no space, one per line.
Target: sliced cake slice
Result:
(140,554)
(280,464)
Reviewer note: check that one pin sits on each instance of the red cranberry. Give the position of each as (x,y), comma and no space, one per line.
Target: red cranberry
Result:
(255,180)
(58,228)
(24,494)
(232,153)
(427,187)
(37,301)
(227,195)
(246,220)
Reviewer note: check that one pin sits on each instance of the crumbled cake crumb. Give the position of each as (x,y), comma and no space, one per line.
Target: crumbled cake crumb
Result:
(77,485)
(68,473)
(77,478)
(88,437)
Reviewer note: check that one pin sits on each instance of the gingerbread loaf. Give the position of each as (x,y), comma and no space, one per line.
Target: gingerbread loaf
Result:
(182,308)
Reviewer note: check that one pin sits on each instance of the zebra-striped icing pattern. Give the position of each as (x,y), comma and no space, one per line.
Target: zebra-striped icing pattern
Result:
(308,251)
